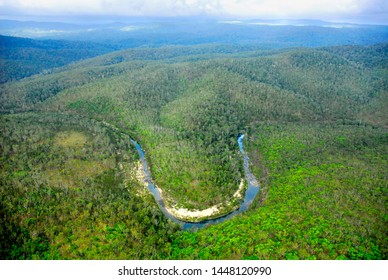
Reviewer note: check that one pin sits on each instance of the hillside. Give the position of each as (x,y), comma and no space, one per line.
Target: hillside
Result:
(315,124)
(23,57)
(30,47)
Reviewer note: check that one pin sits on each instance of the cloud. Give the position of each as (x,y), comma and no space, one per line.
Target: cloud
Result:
(322,9)
(291,8)
(115,7)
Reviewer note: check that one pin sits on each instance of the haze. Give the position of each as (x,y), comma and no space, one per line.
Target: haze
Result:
(354,11)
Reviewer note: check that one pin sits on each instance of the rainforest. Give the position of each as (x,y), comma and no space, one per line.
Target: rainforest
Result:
(87,126)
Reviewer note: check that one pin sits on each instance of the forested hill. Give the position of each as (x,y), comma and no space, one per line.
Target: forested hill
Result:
(23,57)
(315,121)
(372,56)
(54,44)
(322,83)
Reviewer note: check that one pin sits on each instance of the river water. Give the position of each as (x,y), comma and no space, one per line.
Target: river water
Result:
(250,193)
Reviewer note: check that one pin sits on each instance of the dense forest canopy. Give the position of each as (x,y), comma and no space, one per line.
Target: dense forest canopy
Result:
(315,121)
(57,44)
(23,57)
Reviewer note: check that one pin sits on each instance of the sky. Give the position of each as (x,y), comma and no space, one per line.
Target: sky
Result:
(354,11)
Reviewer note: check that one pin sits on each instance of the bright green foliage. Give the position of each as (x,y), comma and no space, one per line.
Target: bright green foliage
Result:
(80,213)
(324,200)
(315,125)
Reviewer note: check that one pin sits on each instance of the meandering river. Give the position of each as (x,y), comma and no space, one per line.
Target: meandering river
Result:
(250,193)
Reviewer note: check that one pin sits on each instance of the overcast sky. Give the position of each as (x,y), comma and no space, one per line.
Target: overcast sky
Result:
(362,11)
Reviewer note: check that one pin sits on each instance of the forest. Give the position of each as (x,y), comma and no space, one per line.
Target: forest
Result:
(315,125)
(33,47)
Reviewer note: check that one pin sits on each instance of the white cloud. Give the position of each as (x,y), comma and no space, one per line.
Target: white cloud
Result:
(46,7)
(295,8)
(115,7)
(324,9)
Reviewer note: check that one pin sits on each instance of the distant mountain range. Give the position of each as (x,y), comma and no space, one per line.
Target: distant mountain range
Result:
(314,121)
(136,32)
(53,44)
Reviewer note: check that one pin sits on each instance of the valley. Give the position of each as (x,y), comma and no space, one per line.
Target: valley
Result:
(75,185)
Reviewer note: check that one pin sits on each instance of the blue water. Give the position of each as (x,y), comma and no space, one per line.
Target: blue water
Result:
(250,194)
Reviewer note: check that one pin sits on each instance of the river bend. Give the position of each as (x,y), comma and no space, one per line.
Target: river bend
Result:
(250,193)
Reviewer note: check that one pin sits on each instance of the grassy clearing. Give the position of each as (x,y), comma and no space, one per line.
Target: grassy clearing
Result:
(70,139)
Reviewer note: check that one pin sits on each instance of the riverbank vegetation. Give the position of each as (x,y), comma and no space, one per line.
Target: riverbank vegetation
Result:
(67,193)
(324,198)
(316,136)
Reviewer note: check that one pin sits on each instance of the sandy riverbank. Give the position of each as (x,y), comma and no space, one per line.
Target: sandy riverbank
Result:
(184,213)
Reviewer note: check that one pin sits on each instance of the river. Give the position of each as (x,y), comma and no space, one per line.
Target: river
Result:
(250,193)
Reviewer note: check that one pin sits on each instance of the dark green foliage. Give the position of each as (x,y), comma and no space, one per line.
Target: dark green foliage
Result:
(315,125)
(325,198)
(22,57)
(371,57)
(95,216)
